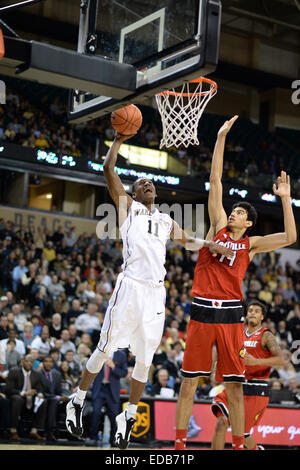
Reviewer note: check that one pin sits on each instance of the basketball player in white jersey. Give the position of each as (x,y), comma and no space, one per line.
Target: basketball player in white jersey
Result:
(136,312)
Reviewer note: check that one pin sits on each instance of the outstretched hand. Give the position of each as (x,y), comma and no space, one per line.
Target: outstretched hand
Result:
(284,187)
(227,126)
(215,249)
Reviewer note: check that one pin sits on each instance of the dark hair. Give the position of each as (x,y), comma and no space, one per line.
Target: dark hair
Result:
(259,304)
(47,357)
(135,183)
(251,212)
(54,350)
(11,341)
(34,316)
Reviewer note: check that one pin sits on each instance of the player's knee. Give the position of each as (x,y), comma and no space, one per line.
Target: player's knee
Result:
(188,387)
(222,424)
(96,361)
(235,392)
(140,372)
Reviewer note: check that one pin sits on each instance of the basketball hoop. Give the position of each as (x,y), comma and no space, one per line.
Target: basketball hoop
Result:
(181,111)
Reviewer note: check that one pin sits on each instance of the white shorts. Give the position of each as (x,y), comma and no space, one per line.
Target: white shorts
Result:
(134,319)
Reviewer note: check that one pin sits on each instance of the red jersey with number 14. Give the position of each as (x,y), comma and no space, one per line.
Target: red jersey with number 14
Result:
(219,277)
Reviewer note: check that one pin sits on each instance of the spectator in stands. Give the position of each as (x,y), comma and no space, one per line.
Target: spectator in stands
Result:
(86,339)
(4,309)
(49,251)
(3,327)
(171,365)
(19,318)
(278,309)
(83,352)
(55,288)
(57,357)
(27,283)
(289,292)
(12,334)
(56,327)
(35,321)
(43,343)
(52,390)
(174,337)
(12,357)
(68,381)
(67,345)
(41,142)
(17,274)
(71,287)
(283,334)
(162,379)
(89,322)
(34,353)
(23,385)
(287,371)
(76,369)
(294,387)
(11,322)
(265,295)
(74,336)
(177,346)
(27,336)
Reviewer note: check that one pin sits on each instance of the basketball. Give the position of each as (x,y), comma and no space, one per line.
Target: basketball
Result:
(127,120)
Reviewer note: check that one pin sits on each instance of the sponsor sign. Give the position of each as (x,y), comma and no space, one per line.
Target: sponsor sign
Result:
(278,426)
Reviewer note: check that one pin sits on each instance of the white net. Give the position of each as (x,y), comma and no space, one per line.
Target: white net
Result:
(180,112)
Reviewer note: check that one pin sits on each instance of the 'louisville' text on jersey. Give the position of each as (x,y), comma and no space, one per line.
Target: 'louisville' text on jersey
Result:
(250,344)
(232,245)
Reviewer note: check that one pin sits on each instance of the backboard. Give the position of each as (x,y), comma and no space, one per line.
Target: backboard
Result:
(166,41)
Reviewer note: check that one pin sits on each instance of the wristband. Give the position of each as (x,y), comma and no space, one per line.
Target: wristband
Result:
(195,244)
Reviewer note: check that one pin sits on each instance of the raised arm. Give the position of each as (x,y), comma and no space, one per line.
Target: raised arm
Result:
(195,244)
(216,212)
(281,239)
(114,183)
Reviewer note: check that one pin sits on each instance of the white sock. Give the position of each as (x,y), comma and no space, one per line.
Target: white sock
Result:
(80,397)
(131,410)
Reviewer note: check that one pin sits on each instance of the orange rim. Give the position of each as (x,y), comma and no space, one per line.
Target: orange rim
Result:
(196,80)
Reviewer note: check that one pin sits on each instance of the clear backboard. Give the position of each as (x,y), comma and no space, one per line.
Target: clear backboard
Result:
(166,41)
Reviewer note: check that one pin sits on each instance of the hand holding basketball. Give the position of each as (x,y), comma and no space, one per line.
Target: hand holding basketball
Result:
(126,121)
(227,126)
(121,138)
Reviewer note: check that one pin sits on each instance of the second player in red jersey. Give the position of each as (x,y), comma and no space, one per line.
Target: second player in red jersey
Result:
(261,353)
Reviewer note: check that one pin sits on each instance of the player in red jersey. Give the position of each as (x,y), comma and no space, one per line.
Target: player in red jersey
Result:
(216,312)
(261,353)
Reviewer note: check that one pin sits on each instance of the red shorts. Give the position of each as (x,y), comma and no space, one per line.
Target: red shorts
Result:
(255,406)
(223,327)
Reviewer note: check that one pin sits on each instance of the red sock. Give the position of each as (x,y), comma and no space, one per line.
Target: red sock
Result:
(180,439)
(238,442)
